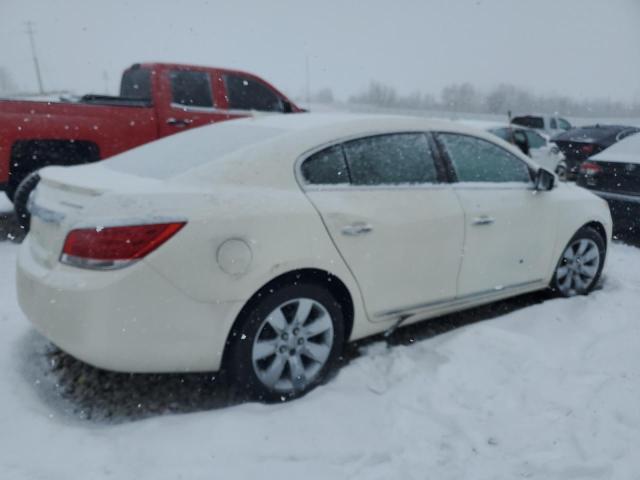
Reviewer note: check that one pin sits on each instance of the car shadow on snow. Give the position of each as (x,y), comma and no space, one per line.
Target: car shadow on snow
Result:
(10,229)
(72,388)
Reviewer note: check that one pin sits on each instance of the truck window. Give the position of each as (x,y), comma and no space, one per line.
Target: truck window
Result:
(136,84)
(529,121)
(563,124)
(246,94)
(192,89)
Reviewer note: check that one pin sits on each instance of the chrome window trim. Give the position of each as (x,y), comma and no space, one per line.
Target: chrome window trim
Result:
(419,309)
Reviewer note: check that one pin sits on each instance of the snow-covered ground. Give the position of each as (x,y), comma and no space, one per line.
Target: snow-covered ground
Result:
(5,204)
(549,391)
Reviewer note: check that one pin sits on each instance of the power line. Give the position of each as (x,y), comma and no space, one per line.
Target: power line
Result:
(30,32)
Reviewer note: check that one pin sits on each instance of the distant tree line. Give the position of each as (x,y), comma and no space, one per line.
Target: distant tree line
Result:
(464,97)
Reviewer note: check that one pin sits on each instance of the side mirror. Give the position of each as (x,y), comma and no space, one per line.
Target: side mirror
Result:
(545,180)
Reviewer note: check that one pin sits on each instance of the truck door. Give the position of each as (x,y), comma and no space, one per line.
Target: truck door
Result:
(247,95)
(189,101)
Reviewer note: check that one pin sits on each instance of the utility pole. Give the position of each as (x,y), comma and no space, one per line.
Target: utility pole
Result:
(307,80)
(30,32)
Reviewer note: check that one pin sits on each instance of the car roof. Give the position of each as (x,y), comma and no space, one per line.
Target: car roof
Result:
(255,150)
(592,133)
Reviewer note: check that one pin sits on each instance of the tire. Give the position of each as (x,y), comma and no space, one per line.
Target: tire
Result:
(580,265)
(14,181)
(21,199)
(286,343)
(561,171)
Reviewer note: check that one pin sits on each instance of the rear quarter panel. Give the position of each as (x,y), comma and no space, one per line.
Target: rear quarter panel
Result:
(280,227)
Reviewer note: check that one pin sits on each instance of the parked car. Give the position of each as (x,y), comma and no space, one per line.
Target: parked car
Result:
(614,174)
(550,124)
(532,142)
(581,143)
(156,100)
(275,240)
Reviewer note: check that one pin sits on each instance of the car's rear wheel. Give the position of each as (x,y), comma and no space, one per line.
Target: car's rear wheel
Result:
(21,199)
(286,343)
(580,265)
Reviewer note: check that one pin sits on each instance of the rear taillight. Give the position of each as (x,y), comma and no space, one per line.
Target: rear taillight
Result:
(590,168)
(114,247)
(587,149)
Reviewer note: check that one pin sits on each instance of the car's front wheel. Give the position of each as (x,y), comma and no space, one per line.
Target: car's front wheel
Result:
(580,265)
(286,343)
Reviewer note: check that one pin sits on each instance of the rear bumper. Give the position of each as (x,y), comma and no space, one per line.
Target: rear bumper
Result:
(129,320)
(625,210)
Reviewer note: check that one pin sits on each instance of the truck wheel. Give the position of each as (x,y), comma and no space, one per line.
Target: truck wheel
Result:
(21,199)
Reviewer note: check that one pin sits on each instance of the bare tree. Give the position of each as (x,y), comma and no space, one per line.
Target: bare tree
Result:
(324,95)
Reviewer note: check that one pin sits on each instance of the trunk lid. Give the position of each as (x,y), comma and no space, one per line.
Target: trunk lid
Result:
(62,200)
(615,177)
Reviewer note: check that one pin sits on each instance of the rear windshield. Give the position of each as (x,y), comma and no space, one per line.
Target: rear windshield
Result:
(136,83)
(176,154)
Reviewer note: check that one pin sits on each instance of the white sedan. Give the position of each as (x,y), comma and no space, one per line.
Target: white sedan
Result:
(261,246)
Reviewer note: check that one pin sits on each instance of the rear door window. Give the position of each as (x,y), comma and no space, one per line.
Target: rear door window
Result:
(327,167)
(403,158)
(477,160)
(191,89)
(244,93)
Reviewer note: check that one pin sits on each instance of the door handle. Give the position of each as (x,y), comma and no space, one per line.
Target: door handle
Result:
(179,122)
(356,229)
(483,220)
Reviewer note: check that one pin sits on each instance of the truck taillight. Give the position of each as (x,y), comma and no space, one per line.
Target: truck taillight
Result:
(590,168)
(115,247)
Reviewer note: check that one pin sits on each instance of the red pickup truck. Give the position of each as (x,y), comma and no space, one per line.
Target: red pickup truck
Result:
(156,99)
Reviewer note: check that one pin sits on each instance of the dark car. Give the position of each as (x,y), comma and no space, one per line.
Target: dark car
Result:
(581,143)
(614,174)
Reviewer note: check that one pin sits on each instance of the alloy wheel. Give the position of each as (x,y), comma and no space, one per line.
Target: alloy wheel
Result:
(293,344)
(578,267)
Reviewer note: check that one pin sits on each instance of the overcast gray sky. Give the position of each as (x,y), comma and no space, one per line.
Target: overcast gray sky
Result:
(584,48)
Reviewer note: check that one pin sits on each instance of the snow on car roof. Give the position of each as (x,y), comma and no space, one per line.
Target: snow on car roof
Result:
(255,147)
(626,150)
(179,153)
(484,124)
